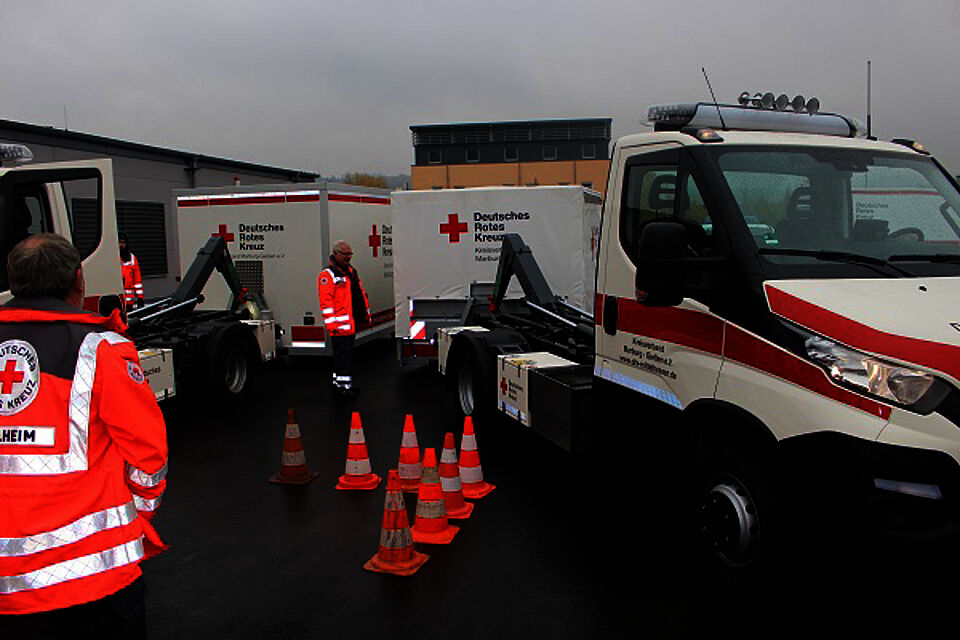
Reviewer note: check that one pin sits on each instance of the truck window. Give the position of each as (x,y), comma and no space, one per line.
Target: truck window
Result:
(870,203)
(648,194)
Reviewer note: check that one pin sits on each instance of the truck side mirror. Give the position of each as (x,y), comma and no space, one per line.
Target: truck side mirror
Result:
(666,270)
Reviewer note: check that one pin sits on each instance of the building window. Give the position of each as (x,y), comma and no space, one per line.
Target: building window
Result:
(473,154)
(589,151)
(550,152)
(511,154)
(433,156)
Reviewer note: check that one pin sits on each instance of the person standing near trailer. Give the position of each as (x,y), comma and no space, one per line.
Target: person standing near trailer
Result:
(343,306)
(130,268)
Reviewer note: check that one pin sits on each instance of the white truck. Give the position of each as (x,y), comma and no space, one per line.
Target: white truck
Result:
(447,246)
(777,298)
(281,236)
(178,346)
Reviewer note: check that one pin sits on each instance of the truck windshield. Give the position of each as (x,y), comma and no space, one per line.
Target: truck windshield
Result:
(807,204)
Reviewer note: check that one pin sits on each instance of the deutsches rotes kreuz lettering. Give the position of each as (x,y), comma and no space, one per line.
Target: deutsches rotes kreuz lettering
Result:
(19,376)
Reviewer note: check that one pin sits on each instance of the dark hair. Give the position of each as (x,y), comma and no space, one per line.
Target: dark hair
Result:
(44,264)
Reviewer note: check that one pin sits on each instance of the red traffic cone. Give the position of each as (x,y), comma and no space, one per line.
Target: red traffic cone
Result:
(396,554)
(293,462)
(453,501)
(471,474)
(431,522)
(409,468)
(357,474)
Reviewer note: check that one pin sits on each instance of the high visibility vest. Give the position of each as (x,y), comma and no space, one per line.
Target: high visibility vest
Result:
(336,301)
(132,282)
(83,457)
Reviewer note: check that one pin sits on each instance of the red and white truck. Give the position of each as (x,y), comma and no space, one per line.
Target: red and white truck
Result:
(280,237)
(775,294)
(216,349)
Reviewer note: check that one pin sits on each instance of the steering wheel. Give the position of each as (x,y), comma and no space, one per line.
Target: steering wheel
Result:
(906,231)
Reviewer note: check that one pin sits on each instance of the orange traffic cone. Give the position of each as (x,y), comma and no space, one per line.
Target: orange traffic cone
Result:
(396,553)
(456,507)
(431,522)
(357,474)
(293,462)
(409,468)
(471,474)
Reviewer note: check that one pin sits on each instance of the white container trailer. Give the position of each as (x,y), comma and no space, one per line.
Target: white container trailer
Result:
(280,237)
(447,244)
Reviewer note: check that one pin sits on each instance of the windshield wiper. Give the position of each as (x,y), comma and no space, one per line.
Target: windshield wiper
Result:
(840,256)
(926,257)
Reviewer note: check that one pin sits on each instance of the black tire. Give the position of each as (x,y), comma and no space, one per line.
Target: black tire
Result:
(473,383)
(735,523)
(231,366)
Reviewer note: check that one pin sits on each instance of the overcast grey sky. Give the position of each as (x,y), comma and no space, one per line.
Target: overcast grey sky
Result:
(334,86)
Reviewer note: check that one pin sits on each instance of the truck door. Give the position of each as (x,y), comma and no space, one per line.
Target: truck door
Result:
(73,199)
(672,354)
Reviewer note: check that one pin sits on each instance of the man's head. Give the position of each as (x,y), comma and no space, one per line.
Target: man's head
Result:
(342,253)
(46,264)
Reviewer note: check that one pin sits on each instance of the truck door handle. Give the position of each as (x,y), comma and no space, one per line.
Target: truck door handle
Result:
(610,307)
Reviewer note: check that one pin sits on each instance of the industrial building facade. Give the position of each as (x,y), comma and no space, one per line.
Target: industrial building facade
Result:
(511,153)
(144,179)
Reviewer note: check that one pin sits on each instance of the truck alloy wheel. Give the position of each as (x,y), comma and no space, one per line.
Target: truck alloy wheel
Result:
(729,520)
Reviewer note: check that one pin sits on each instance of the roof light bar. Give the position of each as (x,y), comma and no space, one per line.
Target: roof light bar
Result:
(705,115)
(780,103)
(14,154)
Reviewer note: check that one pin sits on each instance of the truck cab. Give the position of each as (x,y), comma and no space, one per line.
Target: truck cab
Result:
(787,290)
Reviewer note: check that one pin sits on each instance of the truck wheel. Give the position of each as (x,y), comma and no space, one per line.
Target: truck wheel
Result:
(230,367)
(473,380)
(735,516)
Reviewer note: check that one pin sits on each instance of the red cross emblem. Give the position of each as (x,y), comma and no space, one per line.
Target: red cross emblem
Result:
(9,377)
(453,227)
(374,240)
(503,386)
(222,233)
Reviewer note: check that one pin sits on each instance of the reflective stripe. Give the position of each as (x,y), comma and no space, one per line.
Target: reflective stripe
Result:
(143,504)
(344,326)
(471,475)
(70,533)
(144,479)
(327,311)
(358,467)
(431,509)
(396,538)
(82,567)
(449,485)
(80,392)
(293,458)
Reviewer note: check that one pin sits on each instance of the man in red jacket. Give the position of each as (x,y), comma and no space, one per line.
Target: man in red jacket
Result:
(130,270)
(343,307)
(83,455)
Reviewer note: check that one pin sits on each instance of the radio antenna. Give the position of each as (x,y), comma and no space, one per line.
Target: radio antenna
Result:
(869,116)
(723,124)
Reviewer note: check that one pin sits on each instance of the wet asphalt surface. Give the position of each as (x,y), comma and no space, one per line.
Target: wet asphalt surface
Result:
(564,547)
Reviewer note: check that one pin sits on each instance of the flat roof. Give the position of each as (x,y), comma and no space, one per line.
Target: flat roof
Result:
(510,123)
(141,148)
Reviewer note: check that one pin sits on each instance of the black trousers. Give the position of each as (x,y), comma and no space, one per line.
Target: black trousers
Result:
(342,360)
(120,615)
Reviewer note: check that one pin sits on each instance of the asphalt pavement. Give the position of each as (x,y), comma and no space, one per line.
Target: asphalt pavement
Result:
(564,547)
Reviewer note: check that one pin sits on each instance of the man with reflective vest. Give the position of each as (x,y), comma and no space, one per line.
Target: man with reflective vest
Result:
(343,307)
(130,270)
(83,455)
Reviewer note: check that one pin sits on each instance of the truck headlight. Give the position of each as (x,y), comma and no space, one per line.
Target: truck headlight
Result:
(886,380)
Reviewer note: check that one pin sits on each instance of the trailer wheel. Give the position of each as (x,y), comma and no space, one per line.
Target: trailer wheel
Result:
(734,515)
(230,365)
(472,379)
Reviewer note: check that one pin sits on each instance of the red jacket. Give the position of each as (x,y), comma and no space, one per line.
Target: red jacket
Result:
(132,282)
(83,457)
(338,306)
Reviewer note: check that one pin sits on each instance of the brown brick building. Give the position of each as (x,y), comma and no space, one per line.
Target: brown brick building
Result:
(512,153)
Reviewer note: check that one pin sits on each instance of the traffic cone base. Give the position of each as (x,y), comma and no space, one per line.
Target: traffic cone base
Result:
(462,513)
(477,491)
(293,461)
(396,554)
(444,536)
